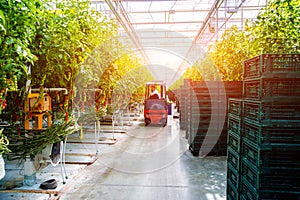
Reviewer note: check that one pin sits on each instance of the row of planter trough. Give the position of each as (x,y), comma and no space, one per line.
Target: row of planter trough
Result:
(258,129)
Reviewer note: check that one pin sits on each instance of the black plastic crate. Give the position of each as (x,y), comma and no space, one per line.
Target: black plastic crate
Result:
(271,88)
(210,148)
(183,107)
(233,177)
(233,159)
(284,179)
(211,131)
(216,90)
(199,138)
(204,84)
(234,125)
(247,192)
(199,125)
(232,85)
(204,104)
(268,135)
(274,65)
(235,107)
(279,195)
(234,142)
(201,90)
(268,111)
(232,89)
(252,67)
(232,192)
(271,157)
(252,175)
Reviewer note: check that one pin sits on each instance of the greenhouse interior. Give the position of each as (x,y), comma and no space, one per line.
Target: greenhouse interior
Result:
(150,99)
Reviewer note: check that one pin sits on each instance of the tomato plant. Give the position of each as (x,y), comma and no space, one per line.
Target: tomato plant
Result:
(277,28)
(17,31)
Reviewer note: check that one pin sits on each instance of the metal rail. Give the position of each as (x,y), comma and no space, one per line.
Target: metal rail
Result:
(129,30)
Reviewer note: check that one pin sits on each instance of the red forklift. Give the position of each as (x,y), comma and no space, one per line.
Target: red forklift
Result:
(155,106)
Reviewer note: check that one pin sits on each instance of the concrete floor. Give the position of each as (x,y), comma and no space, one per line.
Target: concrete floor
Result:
(150,163)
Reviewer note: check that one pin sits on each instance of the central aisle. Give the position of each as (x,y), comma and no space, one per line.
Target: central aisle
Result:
(149,163)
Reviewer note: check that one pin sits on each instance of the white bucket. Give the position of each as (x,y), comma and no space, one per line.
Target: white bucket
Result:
(2,167)
(29,172)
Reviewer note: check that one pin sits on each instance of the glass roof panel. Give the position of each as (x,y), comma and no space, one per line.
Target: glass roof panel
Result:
(177,25)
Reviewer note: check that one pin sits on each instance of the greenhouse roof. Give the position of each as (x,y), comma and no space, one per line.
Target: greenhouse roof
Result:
(182,28)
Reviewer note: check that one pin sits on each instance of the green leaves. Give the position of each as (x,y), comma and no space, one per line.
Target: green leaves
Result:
(278,28)
(66,37)
(17,30)
(3,143)
(31,145)
(229,53)
(275,31)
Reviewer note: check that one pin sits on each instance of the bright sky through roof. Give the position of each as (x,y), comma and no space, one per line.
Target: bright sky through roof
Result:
(183,27)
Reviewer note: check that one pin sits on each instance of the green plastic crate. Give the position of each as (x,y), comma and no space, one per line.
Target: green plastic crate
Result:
(271,156)
(264,135)
(234,124)
(272,65)
(271,111)
(234,142)
(235,107)
(232,193)
(270,179)
(233,159)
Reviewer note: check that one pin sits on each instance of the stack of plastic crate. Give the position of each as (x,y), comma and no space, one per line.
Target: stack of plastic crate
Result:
(234,147)
(183,107)
(190,113)
(200,116)
(207,116)
(233,89)
(270,145)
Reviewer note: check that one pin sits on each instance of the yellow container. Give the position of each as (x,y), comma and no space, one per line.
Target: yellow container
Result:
(35,103)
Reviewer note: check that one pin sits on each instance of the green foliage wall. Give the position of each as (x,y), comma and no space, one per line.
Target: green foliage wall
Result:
(17,32)
(276,30)
(65,37)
